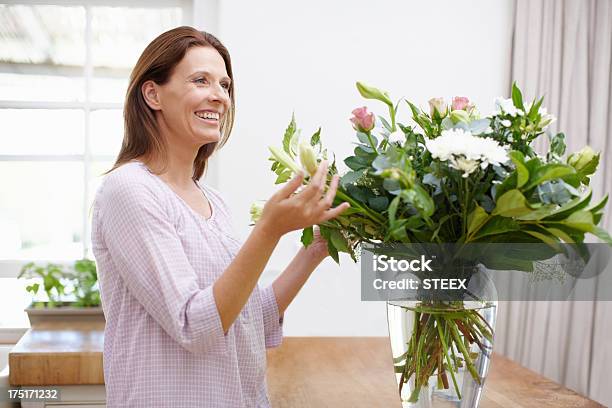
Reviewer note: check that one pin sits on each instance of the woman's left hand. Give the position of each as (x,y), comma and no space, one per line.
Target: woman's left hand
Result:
(318,246)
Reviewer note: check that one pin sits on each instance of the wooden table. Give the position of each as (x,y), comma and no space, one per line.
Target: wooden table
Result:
(316,372)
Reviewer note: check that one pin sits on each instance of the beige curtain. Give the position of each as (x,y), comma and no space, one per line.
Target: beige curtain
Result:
(562,49)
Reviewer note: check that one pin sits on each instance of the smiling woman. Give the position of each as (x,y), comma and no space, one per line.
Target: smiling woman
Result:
(186,321)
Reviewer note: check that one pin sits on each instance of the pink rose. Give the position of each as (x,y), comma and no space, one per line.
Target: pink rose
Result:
(460,103)
(363,121)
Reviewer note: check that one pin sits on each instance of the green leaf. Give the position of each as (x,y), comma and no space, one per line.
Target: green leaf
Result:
(316,138)
(521,170)
(370,92)
(548,172)
(539,213)
(533,112)
(339,241)
(333,252)
(415,110)
(503,263)
(283,177)
(599,206)
(565,237)
(33,288)
(580,220)
(497,225)
(351,177)
(378,203)
(356,163)
(547,239)
(476,218)
(557,143)
(517,97)
(289,132)
(420,199)
(385,123)
(570,207)
(393,210)
(307,236)
(511,204)
(508,184)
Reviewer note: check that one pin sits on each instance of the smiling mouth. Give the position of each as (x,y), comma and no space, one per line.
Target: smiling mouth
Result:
(208,117)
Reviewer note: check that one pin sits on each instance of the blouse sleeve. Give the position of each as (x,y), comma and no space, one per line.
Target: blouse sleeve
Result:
(273,322)
(149,256)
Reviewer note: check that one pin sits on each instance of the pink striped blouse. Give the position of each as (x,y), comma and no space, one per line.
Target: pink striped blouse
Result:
(157,259)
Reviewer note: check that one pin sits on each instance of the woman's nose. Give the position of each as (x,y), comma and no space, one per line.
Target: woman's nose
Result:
(219,94)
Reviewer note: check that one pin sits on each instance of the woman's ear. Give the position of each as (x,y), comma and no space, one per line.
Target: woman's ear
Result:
(150,95)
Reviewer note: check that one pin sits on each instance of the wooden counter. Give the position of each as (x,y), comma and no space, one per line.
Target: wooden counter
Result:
(304,372)
(58,354)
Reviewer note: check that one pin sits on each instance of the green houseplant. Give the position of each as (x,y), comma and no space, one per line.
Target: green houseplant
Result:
(71,292)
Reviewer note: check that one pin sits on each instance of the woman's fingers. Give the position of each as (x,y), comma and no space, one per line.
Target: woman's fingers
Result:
(317,183)
(328,200)
(290,186)
(334,212)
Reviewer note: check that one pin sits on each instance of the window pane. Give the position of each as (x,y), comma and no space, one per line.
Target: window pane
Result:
(13,299)
(42,131)
(41,210)
(121,33)
(34,87)
(109,89)
(42,52)
(42,35)
(106,132)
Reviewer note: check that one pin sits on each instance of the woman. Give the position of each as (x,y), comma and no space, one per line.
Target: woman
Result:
(186,323)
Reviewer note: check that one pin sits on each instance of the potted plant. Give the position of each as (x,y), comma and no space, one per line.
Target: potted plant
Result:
(71,293)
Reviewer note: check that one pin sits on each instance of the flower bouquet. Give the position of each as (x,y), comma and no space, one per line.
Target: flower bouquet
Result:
(449,176)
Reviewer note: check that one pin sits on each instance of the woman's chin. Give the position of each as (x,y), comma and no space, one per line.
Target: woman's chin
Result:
(208,137)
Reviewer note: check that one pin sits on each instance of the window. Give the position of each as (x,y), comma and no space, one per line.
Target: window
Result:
(63,76)
(64,70)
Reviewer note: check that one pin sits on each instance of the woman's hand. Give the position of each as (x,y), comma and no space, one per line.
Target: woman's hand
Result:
(285,211)
(318,247)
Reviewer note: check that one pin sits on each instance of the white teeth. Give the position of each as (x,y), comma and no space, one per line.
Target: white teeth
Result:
(208,115)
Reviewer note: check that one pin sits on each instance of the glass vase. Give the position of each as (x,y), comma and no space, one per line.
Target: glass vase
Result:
(441,350)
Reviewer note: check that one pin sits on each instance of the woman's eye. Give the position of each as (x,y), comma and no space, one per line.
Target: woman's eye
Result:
(199,80)
(225,85)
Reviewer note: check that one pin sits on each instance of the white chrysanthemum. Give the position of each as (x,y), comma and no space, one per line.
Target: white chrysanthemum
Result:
(467,166)
(462,149)
(506,106)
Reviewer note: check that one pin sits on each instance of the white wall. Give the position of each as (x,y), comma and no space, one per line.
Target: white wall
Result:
(305,57)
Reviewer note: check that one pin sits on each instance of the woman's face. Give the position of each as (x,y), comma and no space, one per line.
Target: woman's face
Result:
(195,99)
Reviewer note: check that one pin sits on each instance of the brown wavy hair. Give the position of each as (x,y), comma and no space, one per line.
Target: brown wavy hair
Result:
(141,138)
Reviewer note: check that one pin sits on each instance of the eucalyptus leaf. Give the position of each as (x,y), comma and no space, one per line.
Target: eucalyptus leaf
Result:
(479,126)
(392,186)
(378,203)
(351,177)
